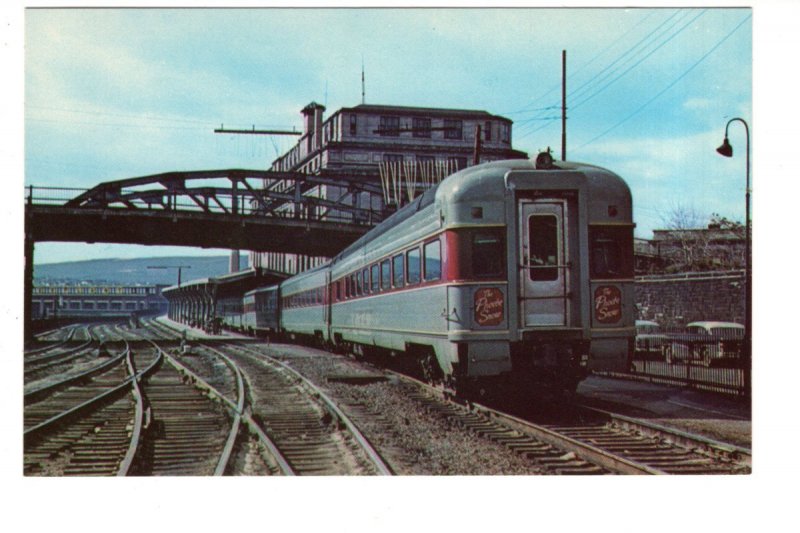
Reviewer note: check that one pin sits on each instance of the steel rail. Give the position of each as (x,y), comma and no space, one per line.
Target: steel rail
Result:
(139,421)
(43,349)
(238,409)
(382,467)
(587,452)
(681,438)
(32,394)
(34,431)
(64,353)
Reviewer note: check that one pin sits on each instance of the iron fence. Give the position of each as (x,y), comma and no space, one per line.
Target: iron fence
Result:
(705,356)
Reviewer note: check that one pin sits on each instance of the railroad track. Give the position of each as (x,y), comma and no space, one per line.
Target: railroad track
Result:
(313,433)
(37,365)
(596,443)
(88,424)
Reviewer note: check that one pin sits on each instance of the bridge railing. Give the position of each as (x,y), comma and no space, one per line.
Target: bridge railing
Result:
(51,195)
(213,201)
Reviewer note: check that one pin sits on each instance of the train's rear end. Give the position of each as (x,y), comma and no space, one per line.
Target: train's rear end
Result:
(572,279)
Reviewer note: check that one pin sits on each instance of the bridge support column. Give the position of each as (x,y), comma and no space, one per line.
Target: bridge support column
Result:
(28,305)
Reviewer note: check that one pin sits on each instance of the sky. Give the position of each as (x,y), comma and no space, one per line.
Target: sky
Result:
(114,94)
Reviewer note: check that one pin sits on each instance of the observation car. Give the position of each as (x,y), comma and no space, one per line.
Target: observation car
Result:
(506,270)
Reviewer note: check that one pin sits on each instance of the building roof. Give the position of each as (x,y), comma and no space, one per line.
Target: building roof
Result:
(423,111)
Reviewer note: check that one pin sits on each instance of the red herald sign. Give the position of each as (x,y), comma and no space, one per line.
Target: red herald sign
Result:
(488,307)
(607,304)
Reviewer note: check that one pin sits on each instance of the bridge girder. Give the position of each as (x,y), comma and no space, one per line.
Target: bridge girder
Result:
(275,214)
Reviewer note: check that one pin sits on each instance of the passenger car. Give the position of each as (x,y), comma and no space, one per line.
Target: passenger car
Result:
(709,342)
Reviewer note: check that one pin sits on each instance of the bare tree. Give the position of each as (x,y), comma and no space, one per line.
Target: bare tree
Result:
(692,242)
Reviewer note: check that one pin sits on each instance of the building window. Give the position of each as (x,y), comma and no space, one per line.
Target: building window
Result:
(505,133)
(392,158)
(421,127)
(487,131)
(453,129)
(390,126)
(353,124)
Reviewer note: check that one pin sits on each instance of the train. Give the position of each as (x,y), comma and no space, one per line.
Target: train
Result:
(515,271)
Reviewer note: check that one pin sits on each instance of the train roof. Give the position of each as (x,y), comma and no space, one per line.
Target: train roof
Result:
(493,168)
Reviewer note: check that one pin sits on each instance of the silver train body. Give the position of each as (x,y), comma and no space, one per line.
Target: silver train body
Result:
(503,270)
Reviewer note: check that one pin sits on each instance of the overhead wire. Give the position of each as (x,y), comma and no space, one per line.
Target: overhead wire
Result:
(672,84)
(578,70)
(627,56)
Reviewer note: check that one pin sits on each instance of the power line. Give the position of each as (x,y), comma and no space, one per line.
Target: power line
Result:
(660,46)
(577,71)
(625,57)
(629,51)
(668,87)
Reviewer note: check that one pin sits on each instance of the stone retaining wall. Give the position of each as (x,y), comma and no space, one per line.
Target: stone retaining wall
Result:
(675,300)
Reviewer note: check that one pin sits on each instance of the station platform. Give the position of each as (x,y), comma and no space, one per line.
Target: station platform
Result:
(197,333)
(721,417)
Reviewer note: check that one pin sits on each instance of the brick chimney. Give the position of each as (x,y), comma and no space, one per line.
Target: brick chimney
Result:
(312,124)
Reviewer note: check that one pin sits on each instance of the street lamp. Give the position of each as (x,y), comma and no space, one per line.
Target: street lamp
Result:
(164,267)
(727,150)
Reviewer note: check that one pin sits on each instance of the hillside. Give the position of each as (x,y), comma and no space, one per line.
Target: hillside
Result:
(133,271)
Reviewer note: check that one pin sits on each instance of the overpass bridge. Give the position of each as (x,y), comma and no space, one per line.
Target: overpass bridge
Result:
(235,208)
(257,210)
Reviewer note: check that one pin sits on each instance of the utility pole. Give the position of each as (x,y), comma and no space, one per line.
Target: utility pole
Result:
(476,156)
(563,105)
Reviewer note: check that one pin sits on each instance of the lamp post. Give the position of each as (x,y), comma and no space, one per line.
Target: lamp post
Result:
(727,150)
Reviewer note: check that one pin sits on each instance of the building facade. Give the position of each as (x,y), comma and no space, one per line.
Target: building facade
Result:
(87,300)
(405,149)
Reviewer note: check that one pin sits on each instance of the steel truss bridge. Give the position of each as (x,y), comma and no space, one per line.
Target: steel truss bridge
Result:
(256,210)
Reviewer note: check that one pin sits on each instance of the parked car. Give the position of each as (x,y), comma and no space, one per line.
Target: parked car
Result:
(710,343)
(651,340)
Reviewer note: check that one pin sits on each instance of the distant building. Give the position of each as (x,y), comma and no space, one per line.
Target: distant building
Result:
(716,247)
(403,148)
(88,300)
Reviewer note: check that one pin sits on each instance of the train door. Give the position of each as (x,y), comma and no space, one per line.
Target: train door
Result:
(544,265)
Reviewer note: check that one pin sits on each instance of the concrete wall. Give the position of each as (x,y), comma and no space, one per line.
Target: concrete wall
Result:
(675,300)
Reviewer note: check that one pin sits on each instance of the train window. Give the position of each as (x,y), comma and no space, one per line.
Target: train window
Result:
(543,249)
(359,287)
(365,276)
(386,275)
(397,270)
(611,251)
(433,260)
(488,255)
(338,289)
(376,278)
(413,266)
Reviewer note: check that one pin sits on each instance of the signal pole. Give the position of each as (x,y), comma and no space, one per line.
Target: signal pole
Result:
(563,105)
